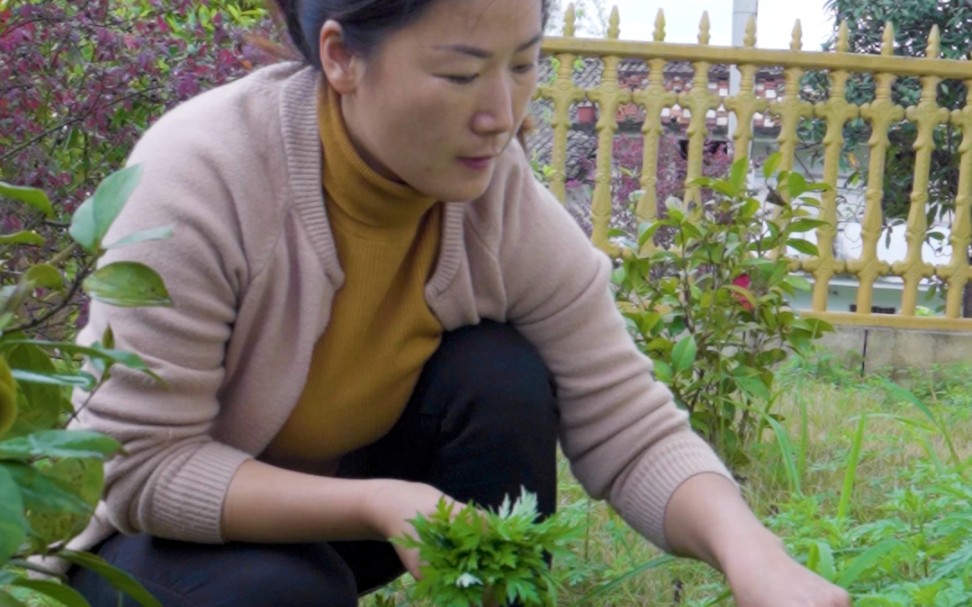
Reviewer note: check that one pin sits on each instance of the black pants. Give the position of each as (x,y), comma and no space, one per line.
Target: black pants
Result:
(480,424)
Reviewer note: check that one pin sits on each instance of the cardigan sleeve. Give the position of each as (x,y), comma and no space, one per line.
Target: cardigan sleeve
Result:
(172,478)
(621,430)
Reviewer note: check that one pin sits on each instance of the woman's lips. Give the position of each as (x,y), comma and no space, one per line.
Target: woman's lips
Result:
(476,163)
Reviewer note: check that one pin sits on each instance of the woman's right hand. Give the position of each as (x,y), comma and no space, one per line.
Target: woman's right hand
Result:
(270,504)
(394,504)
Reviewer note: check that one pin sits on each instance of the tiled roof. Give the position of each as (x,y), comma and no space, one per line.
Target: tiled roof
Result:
(633,73)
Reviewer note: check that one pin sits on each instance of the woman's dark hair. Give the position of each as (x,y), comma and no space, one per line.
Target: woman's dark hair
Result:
(365,22)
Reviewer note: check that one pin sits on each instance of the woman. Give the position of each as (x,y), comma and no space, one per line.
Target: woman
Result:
(377,305)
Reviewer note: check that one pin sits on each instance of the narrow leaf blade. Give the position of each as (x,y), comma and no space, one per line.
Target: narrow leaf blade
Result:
(120,580)
(23,237)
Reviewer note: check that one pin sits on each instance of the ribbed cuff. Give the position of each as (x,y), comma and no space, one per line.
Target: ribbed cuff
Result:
(648,489)
(190,506)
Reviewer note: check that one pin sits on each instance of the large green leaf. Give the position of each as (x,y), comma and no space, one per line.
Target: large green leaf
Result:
(797,282)
(23,237)
(40,405)
(127,284)
(754,386)
(771,163)
(59,443)
(40,493)
(683,354)
(84,478)
(738,174)
(96,214)
(6,600)
(803,246)
(111,196)
(13,527)
(44,275)
(150,234)
(118,579)
(796,185)
(70,379)
(807,224)
(67,596)
(83,229)
(128,359)
(30,196)
(663,371)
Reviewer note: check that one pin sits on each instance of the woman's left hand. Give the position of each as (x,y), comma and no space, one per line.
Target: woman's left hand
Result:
(770,578)
(707,519)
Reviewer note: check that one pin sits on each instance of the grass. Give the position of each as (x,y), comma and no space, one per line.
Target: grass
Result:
(864,480)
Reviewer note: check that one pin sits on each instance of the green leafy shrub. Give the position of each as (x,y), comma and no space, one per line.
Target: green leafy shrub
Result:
(51,478)
(712,307)
(474,557)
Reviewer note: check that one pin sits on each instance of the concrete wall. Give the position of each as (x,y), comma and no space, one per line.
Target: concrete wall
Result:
(881,349)
(843,297)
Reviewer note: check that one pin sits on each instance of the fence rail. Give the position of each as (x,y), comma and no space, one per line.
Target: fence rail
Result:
(654,95)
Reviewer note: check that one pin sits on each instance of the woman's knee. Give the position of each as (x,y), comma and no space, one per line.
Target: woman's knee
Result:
(494,370)
(300,575)
(183,574)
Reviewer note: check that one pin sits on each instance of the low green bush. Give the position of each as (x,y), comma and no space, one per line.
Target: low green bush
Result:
(52,477)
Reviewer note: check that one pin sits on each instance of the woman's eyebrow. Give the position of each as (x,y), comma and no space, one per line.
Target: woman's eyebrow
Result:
(479,53)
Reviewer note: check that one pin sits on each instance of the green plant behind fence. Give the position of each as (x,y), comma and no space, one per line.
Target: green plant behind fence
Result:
(711,308)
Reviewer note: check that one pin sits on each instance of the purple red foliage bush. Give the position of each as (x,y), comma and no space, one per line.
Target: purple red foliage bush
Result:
(627,156)
(80,80)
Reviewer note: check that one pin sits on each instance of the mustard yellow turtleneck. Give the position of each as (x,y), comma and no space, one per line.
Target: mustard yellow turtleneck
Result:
(381,330)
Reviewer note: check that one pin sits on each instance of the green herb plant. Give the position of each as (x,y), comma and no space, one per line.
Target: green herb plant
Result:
(51,477)
(483,557)
(711,307)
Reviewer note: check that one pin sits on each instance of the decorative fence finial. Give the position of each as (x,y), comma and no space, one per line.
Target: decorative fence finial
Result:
(614,24)
(843,37)
(570,16)
(934,43)
(749,41)
(796,42)
(887,44)
(704,29)
(659,33)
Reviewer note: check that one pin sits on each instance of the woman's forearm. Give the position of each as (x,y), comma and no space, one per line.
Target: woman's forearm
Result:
(266,504)
(270,504)
(708,519)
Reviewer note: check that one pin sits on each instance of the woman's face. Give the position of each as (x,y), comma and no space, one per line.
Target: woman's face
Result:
(436,102)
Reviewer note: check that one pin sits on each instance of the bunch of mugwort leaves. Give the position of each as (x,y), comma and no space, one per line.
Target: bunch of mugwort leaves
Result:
(477,557)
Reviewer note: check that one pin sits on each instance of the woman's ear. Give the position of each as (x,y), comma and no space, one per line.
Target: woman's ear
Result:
(339,64)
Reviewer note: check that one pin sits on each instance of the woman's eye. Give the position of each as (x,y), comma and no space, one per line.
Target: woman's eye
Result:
(525,68)
(460,79)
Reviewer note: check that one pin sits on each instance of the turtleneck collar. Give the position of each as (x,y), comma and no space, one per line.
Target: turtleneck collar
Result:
(366,197)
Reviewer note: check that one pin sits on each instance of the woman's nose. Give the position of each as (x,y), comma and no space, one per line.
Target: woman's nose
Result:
(496,112)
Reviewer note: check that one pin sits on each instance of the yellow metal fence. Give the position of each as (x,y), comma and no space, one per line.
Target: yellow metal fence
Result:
(788,109)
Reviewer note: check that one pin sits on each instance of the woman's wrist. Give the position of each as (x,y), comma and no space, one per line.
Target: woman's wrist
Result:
(748,547)
(389,504)
(374,506)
